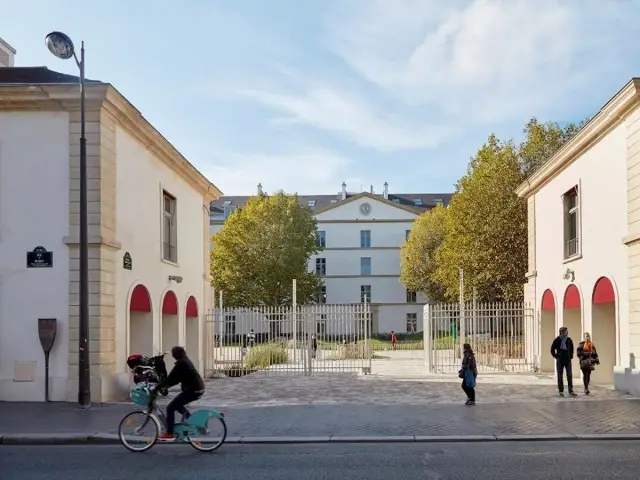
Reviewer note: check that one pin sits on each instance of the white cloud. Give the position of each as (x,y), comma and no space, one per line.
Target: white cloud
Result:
(298,170)
(486,60)
(347,115)
(436,69)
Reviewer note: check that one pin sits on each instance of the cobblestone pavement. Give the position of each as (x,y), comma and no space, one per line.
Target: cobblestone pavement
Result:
(278,390)
(569,415)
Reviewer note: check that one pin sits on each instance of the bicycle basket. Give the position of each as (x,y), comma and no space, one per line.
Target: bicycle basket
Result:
(140,394)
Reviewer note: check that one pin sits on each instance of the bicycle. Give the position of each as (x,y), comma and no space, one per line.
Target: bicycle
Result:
(192,430)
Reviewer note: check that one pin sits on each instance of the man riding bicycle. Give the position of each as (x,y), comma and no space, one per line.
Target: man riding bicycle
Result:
(185,374)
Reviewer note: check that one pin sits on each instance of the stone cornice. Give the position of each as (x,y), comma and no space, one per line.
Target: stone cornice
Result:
(65,97)
(609,116)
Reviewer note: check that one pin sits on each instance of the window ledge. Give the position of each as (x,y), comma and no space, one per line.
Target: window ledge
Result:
(631,239)
(572,259)
(169,262)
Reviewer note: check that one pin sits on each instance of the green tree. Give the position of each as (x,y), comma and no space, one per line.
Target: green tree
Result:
(542,141)
(418,254)
(261,249)
(486,228)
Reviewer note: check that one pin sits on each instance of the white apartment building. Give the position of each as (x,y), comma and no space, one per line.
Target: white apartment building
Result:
(148,210)
(584,242)
(361,235)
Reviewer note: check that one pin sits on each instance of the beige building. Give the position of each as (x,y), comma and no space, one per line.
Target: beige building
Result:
(148,232)
(584,242)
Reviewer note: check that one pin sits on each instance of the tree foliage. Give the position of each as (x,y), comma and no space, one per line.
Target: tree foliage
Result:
(261,249)
(542,141)
(418,255)
(486,228)
(486,225)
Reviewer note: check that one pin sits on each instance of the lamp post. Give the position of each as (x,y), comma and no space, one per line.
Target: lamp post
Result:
(62,47)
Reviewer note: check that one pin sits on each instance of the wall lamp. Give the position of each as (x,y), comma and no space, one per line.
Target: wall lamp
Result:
(175,278)
(569,275)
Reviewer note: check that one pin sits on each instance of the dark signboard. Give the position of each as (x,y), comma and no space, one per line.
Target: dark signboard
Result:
(127,263)
(47,329)
(39,258)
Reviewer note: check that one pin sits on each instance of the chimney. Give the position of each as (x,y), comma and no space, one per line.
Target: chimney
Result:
(386,191)
(344,191)
(371,189)
(260,192)
(7,54)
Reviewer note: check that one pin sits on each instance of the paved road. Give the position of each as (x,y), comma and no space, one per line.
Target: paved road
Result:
(568,416)
(497,461)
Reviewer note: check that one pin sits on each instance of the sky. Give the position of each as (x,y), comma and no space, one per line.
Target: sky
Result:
(302,95)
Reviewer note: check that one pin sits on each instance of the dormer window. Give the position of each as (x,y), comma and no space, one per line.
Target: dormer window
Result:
(440,202)
(226,203)
(396,200)
(417,202)
(312,203)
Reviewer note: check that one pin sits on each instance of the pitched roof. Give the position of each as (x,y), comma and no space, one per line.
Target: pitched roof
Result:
(419,202)
(36,76)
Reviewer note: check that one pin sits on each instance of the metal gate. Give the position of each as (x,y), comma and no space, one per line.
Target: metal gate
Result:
(294,340)
(501,335)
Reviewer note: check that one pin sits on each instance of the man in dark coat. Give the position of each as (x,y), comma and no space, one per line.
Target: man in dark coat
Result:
(562,350)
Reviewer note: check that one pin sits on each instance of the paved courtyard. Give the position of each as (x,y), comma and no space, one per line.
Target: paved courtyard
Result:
(260,390)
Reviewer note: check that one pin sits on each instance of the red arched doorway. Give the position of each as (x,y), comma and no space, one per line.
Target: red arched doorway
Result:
(140,322)
(572,319)
(604,328)
(170,322)
(192,329)
(547,330)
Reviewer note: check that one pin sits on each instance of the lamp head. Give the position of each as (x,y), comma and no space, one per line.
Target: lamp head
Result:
(60,45)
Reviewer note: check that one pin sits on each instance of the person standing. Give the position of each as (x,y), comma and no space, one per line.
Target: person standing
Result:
(251,339)
(394,340)
(588,356)
(469,373)
(562,350)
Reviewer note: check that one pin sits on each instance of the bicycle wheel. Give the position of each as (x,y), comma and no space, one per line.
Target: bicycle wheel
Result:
(213,438)
(137,441)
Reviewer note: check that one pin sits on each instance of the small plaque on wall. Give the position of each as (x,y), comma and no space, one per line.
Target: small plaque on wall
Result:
(127,263)
(39,257)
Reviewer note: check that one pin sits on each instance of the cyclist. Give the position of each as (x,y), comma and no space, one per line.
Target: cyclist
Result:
(185,374)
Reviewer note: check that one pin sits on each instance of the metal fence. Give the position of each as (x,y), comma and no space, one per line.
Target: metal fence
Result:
(294,339)
(501,335)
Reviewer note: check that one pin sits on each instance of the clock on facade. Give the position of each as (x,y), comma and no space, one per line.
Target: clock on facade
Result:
(365,209)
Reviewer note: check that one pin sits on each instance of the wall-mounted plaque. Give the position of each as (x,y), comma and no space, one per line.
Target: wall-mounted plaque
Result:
(39,258)
(127,263)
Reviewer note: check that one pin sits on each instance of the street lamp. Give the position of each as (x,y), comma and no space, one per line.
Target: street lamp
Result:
(62,47)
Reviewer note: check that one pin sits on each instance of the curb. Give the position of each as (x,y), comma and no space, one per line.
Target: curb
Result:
(25,439)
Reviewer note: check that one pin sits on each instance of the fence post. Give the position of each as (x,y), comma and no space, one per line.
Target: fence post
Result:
(426,334)
(294,302)
(462,332)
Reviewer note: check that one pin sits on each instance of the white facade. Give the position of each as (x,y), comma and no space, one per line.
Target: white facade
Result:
(341,224)
(139,229)
(387,225)
(130,169)
(34,211)
(596,163)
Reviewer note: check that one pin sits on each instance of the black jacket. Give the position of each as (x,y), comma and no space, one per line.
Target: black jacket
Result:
(185,374)
(560,354)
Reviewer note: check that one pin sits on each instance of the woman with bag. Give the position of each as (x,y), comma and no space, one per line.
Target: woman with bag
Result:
(588,356)
(468,374)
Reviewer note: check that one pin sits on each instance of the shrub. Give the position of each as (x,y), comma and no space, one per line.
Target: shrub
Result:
(352,352)
(265,355)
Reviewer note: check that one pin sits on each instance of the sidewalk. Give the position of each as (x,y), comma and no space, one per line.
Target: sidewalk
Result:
(566,417)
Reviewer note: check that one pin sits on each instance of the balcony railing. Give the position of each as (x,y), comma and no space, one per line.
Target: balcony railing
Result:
(571,248)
